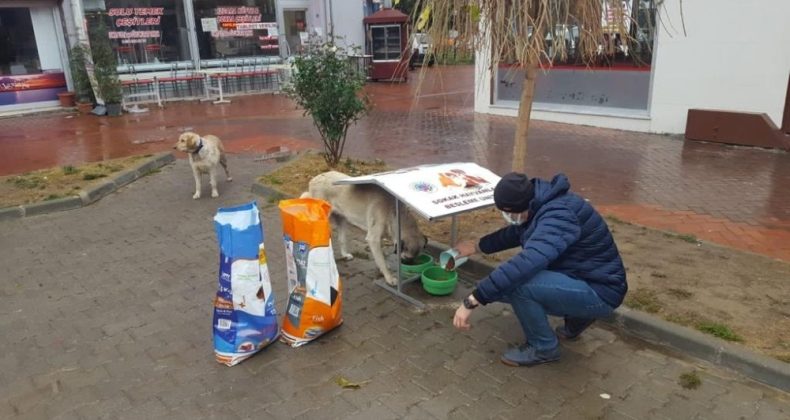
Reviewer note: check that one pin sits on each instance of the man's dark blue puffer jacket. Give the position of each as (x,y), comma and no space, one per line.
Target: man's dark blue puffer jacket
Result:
(563,233)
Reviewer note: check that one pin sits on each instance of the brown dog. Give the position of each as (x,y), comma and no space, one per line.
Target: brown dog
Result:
(205,154)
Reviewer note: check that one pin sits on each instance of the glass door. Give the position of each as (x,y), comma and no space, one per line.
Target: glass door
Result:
(295,30)
(385,42)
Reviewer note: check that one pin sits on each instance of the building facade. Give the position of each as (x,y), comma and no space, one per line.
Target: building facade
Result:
(33,58)
(160,36)
(722,55)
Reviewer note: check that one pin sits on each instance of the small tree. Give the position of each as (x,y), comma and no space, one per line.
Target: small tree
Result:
(327,84)
(105,64)
(79,74)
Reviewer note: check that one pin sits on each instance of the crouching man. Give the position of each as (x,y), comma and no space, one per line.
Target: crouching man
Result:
(568,265)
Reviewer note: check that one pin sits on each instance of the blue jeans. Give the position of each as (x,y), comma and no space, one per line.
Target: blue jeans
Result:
(553,293)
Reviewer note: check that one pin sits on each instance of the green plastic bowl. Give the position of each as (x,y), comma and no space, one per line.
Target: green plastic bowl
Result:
(438,281)
(421,262)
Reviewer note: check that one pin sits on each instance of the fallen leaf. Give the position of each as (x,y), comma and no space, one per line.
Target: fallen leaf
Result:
(345,383)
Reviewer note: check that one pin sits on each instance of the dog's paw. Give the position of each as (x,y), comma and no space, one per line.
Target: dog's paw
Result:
(214,194)
(347,257)
(230,179)
(391,281)
(196,196)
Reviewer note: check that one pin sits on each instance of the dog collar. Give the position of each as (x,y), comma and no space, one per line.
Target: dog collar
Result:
(200,146)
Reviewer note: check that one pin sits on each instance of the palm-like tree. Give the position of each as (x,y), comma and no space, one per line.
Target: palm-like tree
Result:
(533,34)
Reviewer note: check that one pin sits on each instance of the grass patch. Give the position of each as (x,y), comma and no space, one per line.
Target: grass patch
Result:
(690,380)
(92,176)
(70,170)
(688,319)
(718,330)
(152,171)
(689,238)
(28,182)
(699,322)
(644,300)
(110,167)
(683,237)
(273,180)
(614,219)
(292,178)
(57,182)
(658,275)
(679,293)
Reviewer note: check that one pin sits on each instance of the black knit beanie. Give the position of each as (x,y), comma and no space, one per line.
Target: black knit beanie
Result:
(513,193)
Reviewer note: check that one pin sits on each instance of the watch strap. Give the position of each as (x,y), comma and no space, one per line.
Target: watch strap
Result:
(468,303)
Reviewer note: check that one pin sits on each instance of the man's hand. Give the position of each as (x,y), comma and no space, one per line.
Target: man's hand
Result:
(461,319)
(466,247)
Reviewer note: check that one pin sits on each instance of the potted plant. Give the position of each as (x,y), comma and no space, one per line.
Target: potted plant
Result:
(66,99)
(83,91)
(105,69)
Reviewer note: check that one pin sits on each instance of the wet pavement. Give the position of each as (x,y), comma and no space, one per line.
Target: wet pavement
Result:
(106,313)
(737,197)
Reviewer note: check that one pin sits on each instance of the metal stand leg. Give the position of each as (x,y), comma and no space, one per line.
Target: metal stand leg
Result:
(206,83)
(221,99)
(453,232)
(397,291)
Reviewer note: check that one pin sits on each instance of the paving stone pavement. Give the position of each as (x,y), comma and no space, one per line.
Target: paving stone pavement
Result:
(105,312)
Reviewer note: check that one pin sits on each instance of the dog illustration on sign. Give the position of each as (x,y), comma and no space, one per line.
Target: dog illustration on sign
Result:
(459,178)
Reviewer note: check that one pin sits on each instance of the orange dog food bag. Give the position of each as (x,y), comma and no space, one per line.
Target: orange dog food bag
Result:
(314,288)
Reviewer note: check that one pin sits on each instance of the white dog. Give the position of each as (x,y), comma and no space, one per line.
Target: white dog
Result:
(205,154)
(371,209)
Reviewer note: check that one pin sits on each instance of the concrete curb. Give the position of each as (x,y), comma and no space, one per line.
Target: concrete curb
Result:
(51,206)
(646,327)
(664,333)
(267,192)
(10,213)
(655,330)
(91,195)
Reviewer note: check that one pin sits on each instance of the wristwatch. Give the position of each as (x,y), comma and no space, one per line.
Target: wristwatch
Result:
(468,303)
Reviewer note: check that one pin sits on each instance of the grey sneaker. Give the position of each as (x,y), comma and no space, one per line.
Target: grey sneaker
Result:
(524,355)
(573,328)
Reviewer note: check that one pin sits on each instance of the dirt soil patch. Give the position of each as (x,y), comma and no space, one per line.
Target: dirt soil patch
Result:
(733,295)
(53,183)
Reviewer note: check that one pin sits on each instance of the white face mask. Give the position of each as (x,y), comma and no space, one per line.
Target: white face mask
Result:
(510,219)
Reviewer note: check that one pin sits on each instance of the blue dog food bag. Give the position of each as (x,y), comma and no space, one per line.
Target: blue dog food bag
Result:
(245,319)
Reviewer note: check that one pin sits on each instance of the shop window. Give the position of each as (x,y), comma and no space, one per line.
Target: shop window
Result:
(143,31)
(618,76)
(236,28)
(385,42)
(18,50)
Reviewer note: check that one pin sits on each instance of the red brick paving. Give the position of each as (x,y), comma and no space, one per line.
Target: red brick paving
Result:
(773,242)
(733,196)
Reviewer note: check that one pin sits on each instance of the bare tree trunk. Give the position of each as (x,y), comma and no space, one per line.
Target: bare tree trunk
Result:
(522,124)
